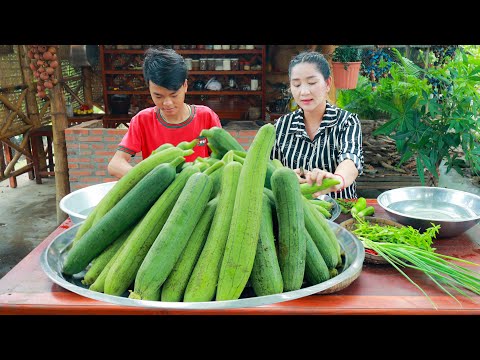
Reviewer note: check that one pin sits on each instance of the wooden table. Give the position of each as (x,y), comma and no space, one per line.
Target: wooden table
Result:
(379,290)
(76,120)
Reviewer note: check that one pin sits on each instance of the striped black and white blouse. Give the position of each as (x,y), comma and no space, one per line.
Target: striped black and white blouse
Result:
(339,137)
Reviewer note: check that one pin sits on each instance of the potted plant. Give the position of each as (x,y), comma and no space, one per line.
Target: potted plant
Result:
(346,61)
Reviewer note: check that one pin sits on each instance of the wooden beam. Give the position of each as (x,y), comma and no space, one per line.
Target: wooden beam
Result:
(2,161)
(44,109)
(12,161)
(59,124)
(17,131)
(12,88)
(327,51)
(71,92)
(17,148)
(71,78)
(27,76)
(16,110)
(10,164)
(22,170)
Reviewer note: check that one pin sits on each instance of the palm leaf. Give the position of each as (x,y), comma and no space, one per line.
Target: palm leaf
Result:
(408,65)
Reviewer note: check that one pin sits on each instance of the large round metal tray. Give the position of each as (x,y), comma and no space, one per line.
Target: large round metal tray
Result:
(53,257)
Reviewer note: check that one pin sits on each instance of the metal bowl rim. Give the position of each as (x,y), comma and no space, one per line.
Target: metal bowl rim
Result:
(70,212)
(386,208)
(335,209)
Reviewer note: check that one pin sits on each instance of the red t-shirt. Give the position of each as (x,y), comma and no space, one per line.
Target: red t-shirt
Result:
(147,131)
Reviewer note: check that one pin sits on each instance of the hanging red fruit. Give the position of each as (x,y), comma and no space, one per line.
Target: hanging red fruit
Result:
(43,61)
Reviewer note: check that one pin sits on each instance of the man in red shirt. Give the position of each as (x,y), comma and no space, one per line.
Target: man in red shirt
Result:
(171,120)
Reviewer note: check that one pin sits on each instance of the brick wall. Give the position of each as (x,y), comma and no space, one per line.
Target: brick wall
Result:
(90,147)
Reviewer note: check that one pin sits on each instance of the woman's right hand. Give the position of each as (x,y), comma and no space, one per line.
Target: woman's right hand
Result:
(301,175)
(316,176)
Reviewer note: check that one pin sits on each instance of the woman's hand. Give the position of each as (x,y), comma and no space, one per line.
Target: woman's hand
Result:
(317,176)
(301,174)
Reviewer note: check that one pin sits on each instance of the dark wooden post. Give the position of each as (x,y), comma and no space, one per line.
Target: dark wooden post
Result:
(87,85)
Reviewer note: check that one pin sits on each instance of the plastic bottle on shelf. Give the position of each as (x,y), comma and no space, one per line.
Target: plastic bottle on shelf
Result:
(69,109)
(254,84)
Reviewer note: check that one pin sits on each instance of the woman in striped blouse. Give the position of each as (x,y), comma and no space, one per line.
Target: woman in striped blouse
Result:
(319,140)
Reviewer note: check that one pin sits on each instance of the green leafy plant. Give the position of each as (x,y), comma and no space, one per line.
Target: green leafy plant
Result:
(362,100)
(346,53)
(433,113)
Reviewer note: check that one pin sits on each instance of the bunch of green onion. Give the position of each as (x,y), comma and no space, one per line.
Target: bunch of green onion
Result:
(445,271)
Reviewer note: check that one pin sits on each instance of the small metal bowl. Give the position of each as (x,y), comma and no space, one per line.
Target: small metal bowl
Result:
(78,204)
(419,206)
(335,210)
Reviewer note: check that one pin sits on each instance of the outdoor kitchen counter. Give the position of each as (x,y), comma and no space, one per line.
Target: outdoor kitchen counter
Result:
(379,290)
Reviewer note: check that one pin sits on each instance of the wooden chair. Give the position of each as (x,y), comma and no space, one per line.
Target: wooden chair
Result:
(36,140)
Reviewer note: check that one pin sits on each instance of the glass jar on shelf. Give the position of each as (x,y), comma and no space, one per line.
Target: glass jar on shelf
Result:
(211,64)
(226,64)
(203,64)
(218,64)
(195,64)
(234,64)
(188,62)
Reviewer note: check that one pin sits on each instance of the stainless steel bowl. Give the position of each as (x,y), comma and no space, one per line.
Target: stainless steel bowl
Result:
(78,204)
(419,206)
(353,252)
(335,210)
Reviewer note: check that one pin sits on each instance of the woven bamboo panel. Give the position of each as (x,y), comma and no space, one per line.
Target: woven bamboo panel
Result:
(97,86)
(10,73)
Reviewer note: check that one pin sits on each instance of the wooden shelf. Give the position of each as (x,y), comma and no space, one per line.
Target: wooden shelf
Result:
(274,116)
(120,51)
(122,117)
(114,120)
(206,92)
(75,120)
(191,72)
(239,101)
(191,51)
(226,92)
(128,92)
(123,72)
(225,72)
(219,52)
